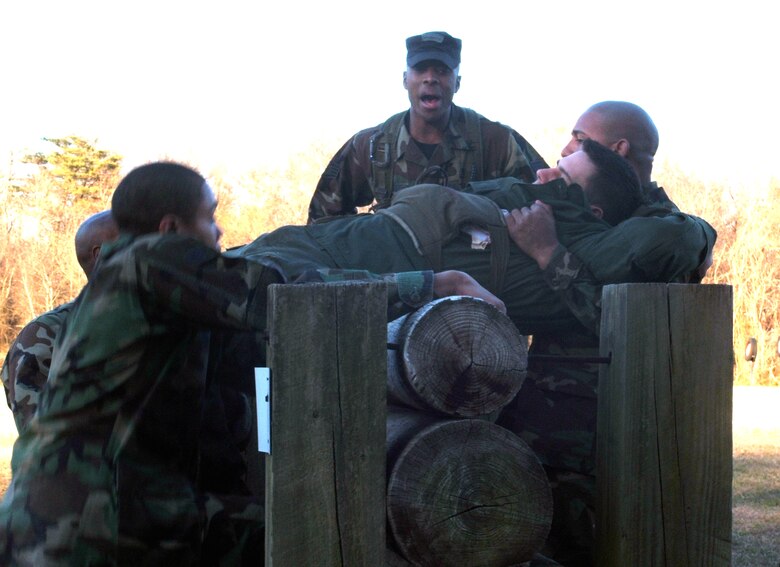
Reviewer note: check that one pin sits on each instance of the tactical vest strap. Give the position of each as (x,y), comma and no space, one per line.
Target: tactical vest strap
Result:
(473,168)
(383,148)
(382,153)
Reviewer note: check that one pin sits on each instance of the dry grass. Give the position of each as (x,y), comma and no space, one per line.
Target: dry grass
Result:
(756,532)
(756,500)
(747,257)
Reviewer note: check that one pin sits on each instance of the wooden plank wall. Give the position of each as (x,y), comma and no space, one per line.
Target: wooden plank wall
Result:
(664,467)
(325,478)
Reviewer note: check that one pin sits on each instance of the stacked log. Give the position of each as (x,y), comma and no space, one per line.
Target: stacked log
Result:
(457,356)
(461,490)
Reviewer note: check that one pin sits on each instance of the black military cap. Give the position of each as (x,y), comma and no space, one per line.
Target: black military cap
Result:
(436,46)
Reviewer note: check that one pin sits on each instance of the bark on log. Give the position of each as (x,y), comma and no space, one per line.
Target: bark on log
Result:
(458,356)
(466,492)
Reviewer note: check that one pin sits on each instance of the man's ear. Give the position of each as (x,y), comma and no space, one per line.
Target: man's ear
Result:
(405,85)
(169,223)
(622,147)
(457,84)
(597,211)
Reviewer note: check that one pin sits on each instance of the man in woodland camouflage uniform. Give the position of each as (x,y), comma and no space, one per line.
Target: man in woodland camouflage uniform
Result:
(555,410)
(26,366)
(432,142)
(105,473)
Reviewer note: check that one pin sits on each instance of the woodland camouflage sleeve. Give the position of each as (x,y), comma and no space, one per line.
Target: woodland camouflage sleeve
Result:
(570,278)
(191,280)
(26,369)
(668,248)
(344,185)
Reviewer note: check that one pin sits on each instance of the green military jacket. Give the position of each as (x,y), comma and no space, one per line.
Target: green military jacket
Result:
(379,161)
(648,249)
(106,471)
(555,411)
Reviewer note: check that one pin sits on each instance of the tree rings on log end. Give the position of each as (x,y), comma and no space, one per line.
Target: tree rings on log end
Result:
(459,356)
(468,492)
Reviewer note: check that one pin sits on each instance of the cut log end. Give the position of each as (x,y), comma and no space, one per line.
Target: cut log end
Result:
(462,357)
(468,492)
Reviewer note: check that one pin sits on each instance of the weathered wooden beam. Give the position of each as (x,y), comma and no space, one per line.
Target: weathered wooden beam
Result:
(325,478)
(664,454)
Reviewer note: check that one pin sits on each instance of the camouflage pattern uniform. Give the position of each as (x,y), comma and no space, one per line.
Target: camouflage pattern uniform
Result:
(379,161)
(106,472)
(26,366)
(555,413)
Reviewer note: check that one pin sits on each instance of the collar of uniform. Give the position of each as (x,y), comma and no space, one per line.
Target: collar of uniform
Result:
(453,139)
(122,241)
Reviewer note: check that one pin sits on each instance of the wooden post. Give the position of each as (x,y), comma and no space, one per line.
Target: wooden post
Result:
(664,456)
(325,478)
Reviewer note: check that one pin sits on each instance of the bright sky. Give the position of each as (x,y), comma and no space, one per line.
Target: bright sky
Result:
(243,84)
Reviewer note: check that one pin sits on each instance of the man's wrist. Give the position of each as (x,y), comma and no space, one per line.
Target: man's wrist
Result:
(562,269)
(544,255)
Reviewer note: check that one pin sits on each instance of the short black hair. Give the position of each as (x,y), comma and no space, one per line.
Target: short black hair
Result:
(615,186)
(151,191)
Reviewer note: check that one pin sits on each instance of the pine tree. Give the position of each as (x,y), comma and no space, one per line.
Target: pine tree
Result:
(81,171)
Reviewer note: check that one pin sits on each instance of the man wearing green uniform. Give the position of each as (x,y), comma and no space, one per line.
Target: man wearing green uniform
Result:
(555,411)
(106,472)
(26,366)
(433,142)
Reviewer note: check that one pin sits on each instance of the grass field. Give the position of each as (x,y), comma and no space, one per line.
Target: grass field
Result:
(756,501)
(756,533)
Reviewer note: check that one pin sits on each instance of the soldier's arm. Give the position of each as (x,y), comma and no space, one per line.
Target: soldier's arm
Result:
(344,185)
(407,291)
(667,248)
(532,229)
(230,292)
(671,247)
(195,282)
(576,286)
(26,370)
(675,247)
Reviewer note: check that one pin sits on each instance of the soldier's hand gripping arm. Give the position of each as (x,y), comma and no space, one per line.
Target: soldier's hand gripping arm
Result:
(532,229)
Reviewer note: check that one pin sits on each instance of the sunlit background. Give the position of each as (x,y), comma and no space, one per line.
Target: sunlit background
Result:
(239,84)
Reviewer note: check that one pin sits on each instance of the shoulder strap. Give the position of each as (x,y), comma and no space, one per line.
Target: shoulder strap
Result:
(382,154)
(473,167)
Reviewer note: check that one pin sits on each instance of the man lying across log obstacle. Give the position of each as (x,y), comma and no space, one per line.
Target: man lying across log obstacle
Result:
(606,233)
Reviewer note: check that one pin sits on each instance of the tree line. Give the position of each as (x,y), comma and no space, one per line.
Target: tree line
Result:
(42,208)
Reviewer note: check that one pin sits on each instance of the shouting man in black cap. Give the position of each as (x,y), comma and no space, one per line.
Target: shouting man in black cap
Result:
(432,142)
